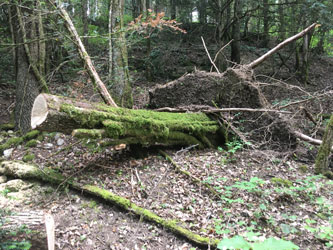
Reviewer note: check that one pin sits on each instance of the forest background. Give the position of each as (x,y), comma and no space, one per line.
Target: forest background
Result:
(135,45)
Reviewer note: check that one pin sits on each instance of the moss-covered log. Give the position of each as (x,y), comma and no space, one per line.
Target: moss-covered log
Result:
(95,120)
(28,171)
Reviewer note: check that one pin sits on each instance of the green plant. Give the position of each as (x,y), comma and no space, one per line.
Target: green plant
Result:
(220,228)
(250,186)
(17,245)
(238,242)
(5,192)
(234,146)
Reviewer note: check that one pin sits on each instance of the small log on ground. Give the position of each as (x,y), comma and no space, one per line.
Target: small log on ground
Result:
(95,120)
(28,171)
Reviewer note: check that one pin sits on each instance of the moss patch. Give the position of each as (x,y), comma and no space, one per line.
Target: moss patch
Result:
(32,143)
(281,182)
(28,157)
(303,168)
(15,141)
(7,126)
(12,142)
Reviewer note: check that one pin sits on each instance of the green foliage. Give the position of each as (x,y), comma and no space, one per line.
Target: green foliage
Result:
(238,242)
(127,19)
(234,146)
(251,186)
(15,245)
(12,245)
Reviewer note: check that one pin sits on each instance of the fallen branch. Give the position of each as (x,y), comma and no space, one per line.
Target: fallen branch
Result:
(28,171)
(84,55)
(215,110)
(309,139)
(256,62)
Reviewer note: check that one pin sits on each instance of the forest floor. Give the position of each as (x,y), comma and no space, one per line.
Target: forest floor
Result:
(262,193)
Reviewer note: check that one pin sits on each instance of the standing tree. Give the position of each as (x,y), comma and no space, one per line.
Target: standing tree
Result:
(120,83)
(30,59)
(85,22)
(322,160)
(235,45)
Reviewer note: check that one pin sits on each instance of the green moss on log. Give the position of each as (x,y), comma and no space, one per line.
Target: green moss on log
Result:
(89,133)
(170,224)
(118,123)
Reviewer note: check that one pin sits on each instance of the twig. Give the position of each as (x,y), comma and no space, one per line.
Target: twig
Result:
(137,175)
(220,50)
(203,42)
(308,115)
(186,149)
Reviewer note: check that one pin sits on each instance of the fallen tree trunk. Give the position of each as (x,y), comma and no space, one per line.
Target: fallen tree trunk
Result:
(95,120)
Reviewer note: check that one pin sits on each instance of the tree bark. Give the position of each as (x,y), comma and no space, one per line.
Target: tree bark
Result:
(235,45)
(85,22)
(266,23)
(173,9)
(29,79)
(94,120)
(322,159)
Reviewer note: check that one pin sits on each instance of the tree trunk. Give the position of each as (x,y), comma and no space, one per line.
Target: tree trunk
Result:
(266,24)
(202,7)
(223,24)
(173,9)
(120,125)
(85,22)
(322,160)
(135,8)
(29,78)
(120,84)
(235,45)
(282,23)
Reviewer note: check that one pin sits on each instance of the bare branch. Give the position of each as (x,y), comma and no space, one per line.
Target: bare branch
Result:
(256,62)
